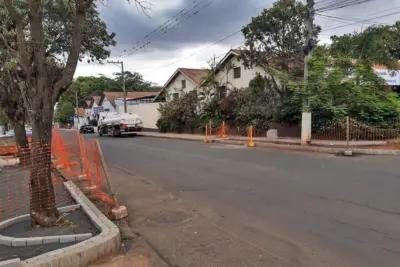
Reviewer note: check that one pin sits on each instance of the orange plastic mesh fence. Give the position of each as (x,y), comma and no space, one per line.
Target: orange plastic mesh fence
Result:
(221,131)
(16,188)
(32,178)
(88,172)
(353,130)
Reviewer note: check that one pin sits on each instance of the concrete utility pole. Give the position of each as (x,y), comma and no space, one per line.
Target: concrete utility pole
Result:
(310,43)
(121,63)
(77,108)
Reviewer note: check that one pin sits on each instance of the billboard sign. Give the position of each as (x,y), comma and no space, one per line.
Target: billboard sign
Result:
(391,77)
(97,110)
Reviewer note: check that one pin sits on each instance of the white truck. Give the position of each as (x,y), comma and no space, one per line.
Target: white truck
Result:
(119,124)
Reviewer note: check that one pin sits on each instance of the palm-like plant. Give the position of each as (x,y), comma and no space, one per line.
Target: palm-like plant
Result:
(206,94)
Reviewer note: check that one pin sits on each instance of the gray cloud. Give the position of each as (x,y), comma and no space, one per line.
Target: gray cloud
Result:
(211,23)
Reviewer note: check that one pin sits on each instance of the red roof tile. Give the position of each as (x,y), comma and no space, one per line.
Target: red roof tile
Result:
(81,112)
(194,74)
(237,51)
(111,96)
(135,95)
(97,99)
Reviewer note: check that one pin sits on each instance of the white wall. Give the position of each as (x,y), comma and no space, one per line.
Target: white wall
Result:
(107,105)
(176,86)
(92,115)
(246,75)
(148,112)
(82,121)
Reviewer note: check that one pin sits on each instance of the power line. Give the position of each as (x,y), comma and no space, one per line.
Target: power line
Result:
(344,18)
(201,50)
(342,4)
(173,22)
(349,24)
(151,33)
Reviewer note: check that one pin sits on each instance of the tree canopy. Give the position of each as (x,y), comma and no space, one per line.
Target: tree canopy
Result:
(274,41)
(377,44)
(64,111)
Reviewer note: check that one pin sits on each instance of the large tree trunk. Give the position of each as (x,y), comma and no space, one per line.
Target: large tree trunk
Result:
(22,143)
(43,202)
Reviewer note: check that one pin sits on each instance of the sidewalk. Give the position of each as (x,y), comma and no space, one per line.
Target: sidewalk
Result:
(319,146)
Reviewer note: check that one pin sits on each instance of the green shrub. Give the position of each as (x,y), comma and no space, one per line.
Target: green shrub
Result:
(179,115)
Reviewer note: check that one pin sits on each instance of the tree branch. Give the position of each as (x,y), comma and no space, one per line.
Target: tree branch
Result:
(37,35)
(19,27)
(75,48)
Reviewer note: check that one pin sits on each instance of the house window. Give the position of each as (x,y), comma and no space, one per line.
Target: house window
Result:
(222,92)
(236,73)
(193,94)
(175,96)
(183,84)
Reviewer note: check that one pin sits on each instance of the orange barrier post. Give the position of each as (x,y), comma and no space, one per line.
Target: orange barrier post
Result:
(250,142)
(206,136)
(223,131)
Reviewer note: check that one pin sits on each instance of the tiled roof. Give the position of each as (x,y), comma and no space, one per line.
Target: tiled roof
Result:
(81,112)
(237,51)
(134,95)
(194,74)
(97,99)
(111,96)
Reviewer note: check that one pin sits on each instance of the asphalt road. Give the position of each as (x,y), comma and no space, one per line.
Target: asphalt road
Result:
(317,210)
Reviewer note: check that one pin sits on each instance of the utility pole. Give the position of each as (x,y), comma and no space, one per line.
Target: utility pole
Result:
(310,43)
(77,108)
(121,65)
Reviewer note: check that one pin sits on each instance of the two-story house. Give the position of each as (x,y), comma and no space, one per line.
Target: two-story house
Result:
(183,80)
(230,73)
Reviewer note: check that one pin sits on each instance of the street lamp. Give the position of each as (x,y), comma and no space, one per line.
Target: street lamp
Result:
(123,89)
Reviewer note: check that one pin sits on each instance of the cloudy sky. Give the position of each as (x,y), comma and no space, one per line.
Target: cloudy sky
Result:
(178,29)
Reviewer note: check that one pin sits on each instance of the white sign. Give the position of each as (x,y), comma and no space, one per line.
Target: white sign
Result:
(391,77)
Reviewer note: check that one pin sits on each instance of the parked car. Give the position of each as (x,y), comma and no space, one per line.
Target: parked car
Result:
(86,129)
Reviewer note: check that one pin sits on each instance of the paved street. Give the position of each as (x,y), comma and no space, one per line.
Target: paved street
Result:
(301,209)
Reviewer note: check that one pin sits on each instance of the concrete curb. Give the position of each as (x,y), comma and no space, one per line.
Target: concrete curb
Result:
(11,263)
(327,150)
(83,253)
(33,241)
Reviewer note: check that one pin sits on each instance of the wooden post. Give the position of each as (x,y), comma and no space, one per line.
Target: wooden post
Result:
(210,125)
(106,174)
(347,130)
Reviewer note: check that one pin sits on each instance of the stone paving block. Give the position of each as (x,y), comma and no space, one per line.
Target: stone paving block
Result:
(11,263)
(83,237)
(67,238)
(5,240)
(18,242)
(32,241)
(69,208)
(51,239)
